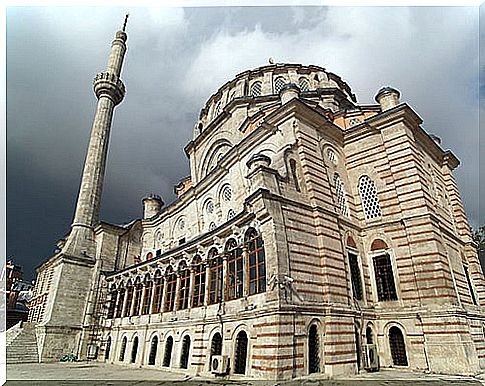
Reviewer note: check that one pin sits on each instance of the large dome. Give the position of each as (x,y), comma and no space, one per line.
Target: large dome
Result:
(263,84)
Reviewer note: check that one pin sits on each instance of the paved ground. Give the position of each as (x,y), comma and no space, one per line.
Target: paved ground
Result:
(94,374)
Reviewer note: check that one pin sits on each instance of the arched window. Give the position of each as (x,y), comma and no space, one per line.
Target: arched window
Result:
(123,349)
(183,300)
(226,193)
(108,348)
(134,350)
(119,305)
(398,347)
(184,356)
(231,214)
(153,351)
(218,109)
(341,196)
(137,297)
(255,89)
(257,264)
(129,299)
(199,283)
(171,278)
(369,335)
(158,292)
(313,350)
(294,174)
(216,346)
(241,352)
(370,200)
(215,276)
(112,304)
(386,289)
(209,207)
(235,268)
(304,85)
(167,356)
(279,83)
(147,296)
(355,275)
(332,156)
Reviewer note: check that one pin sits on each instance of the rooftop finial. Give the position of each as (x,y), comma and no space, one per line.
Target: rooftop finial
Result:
(126,20)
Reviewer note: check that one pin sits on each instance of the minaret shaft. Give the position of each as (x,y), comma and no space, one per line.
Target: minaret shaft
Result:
(110,91)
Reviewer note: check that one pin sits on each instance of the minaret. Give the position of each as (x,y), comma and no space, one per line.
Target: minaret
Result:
(109,90)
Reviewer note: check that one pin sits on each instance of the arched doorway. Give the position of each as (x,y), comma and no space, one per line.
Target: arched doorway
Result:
(184,356)
(108,348)
(168,352)
(369,335)
(313,350)
(153,351)
(134,350)
(241,352)
(398,347)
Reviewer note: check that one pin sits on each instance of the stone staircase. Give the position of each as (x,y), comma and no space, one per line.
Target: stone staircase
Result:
(22,344)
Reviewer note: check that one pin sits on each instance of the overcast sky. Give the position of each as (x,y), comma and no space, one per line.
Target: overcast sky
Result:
(176,59)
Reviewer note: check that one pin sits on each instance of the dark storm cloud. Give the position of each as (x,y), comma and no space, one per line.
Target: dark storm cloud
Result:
(176,59)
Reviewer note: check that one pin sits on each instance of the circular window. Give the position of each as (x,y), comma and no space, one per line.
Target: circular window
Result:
(226,193)
(231,214)
(181,224)
(212,226)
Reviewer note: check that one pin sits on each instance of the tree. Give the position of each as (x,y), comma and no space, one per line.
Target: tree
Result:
(479,238)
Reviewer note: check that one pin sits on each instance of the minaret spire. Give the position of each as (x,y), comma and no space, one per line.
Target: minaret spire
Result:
(109,90)
(126,21)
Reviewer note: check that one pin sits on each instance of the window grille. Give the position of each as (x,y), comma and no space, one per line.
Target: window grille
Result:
(212,226)
(332,156)
(153,351)
(209,207)
(313,350)
(184,357)
(386,289)
(241,353)
(341,196)
(355,276)
(255,89)
(129,299)
(234,271)
(257,264)
(147,298)
(470,286)
(215,277)
(199,284)
(168,352)
(137,298)
(216,346)
(304,85)
(134,350)
(398,347)
(279,83)
(119,305)
(184,289)
(108,348)
(294,174)
(370,200)
(226,193)
(231,214)
(170,292)
(157,295)
(123,349)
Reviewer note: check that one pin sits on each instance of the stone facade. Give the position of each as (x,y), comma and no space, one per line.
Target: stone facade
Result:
(313,233)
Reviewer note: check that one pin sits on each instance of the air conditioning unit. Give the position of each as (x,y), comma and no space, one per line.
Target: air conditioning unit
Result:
(371,357)
(219,364)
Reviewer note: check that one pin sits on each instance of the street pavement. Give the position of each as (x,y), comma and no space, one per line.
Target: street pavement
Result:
(94,374)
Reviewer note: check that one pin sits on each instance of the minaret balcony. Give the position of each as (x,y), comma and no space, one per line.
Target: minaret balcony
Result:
(109,85)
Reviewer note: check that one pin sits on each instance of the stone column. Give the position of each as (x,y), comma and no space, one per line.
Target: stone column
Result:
(164,292)
(177,294)
(207,274)
(245,271)
(191,285)
(224,278)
